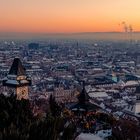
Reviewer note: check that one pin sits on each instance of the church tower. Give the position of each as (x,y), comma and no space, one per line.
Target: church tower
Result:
(17,81)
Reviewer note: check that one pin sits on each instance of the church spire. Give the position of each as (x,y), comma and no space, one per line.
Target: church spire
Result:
(83,97)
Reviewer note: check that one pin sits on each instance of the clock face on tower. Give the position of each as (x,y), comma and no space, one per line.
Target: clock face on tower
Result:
(22,92)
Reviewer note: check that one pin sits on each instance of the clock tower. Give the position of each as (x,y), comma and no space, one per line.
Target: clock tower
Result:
(17,81)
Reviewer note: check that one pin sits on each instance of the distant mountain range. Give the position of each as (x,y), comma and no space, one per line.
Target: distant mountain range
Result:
(81,35)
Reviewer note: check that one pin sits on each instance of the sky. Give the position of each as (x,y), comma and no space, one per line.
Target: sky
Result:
(68,16)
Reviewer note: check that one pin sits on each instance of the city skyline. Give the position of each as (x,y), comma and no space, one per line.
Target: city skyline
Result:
(68,16)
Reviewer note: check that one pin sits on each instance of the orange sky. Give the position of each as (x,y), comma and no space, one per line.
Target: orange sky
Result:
(68,15)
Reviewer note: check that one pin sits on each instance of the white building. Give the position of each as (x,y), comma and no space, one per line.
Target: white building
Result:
(85,136)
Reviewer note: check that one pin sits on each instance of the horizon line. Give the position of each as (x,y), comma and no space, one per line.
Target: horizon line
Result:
(61,33)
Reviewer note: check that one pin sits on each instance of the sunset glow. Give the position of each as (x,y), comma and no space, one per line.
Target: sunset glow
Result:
(68,15)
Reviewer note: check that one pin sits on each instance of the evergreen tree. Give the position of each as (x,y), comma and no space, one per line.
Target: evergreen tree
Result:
(54,107)
(18,123)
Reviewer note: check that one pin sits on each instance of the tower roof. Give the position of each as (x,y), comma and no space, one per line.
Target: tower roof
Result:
(83,97)
(83,102)
(17,68)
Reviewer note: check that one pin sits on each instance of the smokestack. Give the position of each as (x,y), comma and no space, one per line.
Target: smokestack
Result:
(125,27)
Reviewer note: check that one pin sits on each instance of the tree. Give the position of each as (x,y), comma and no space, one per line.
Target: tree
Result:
(18,122)
(54,107)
